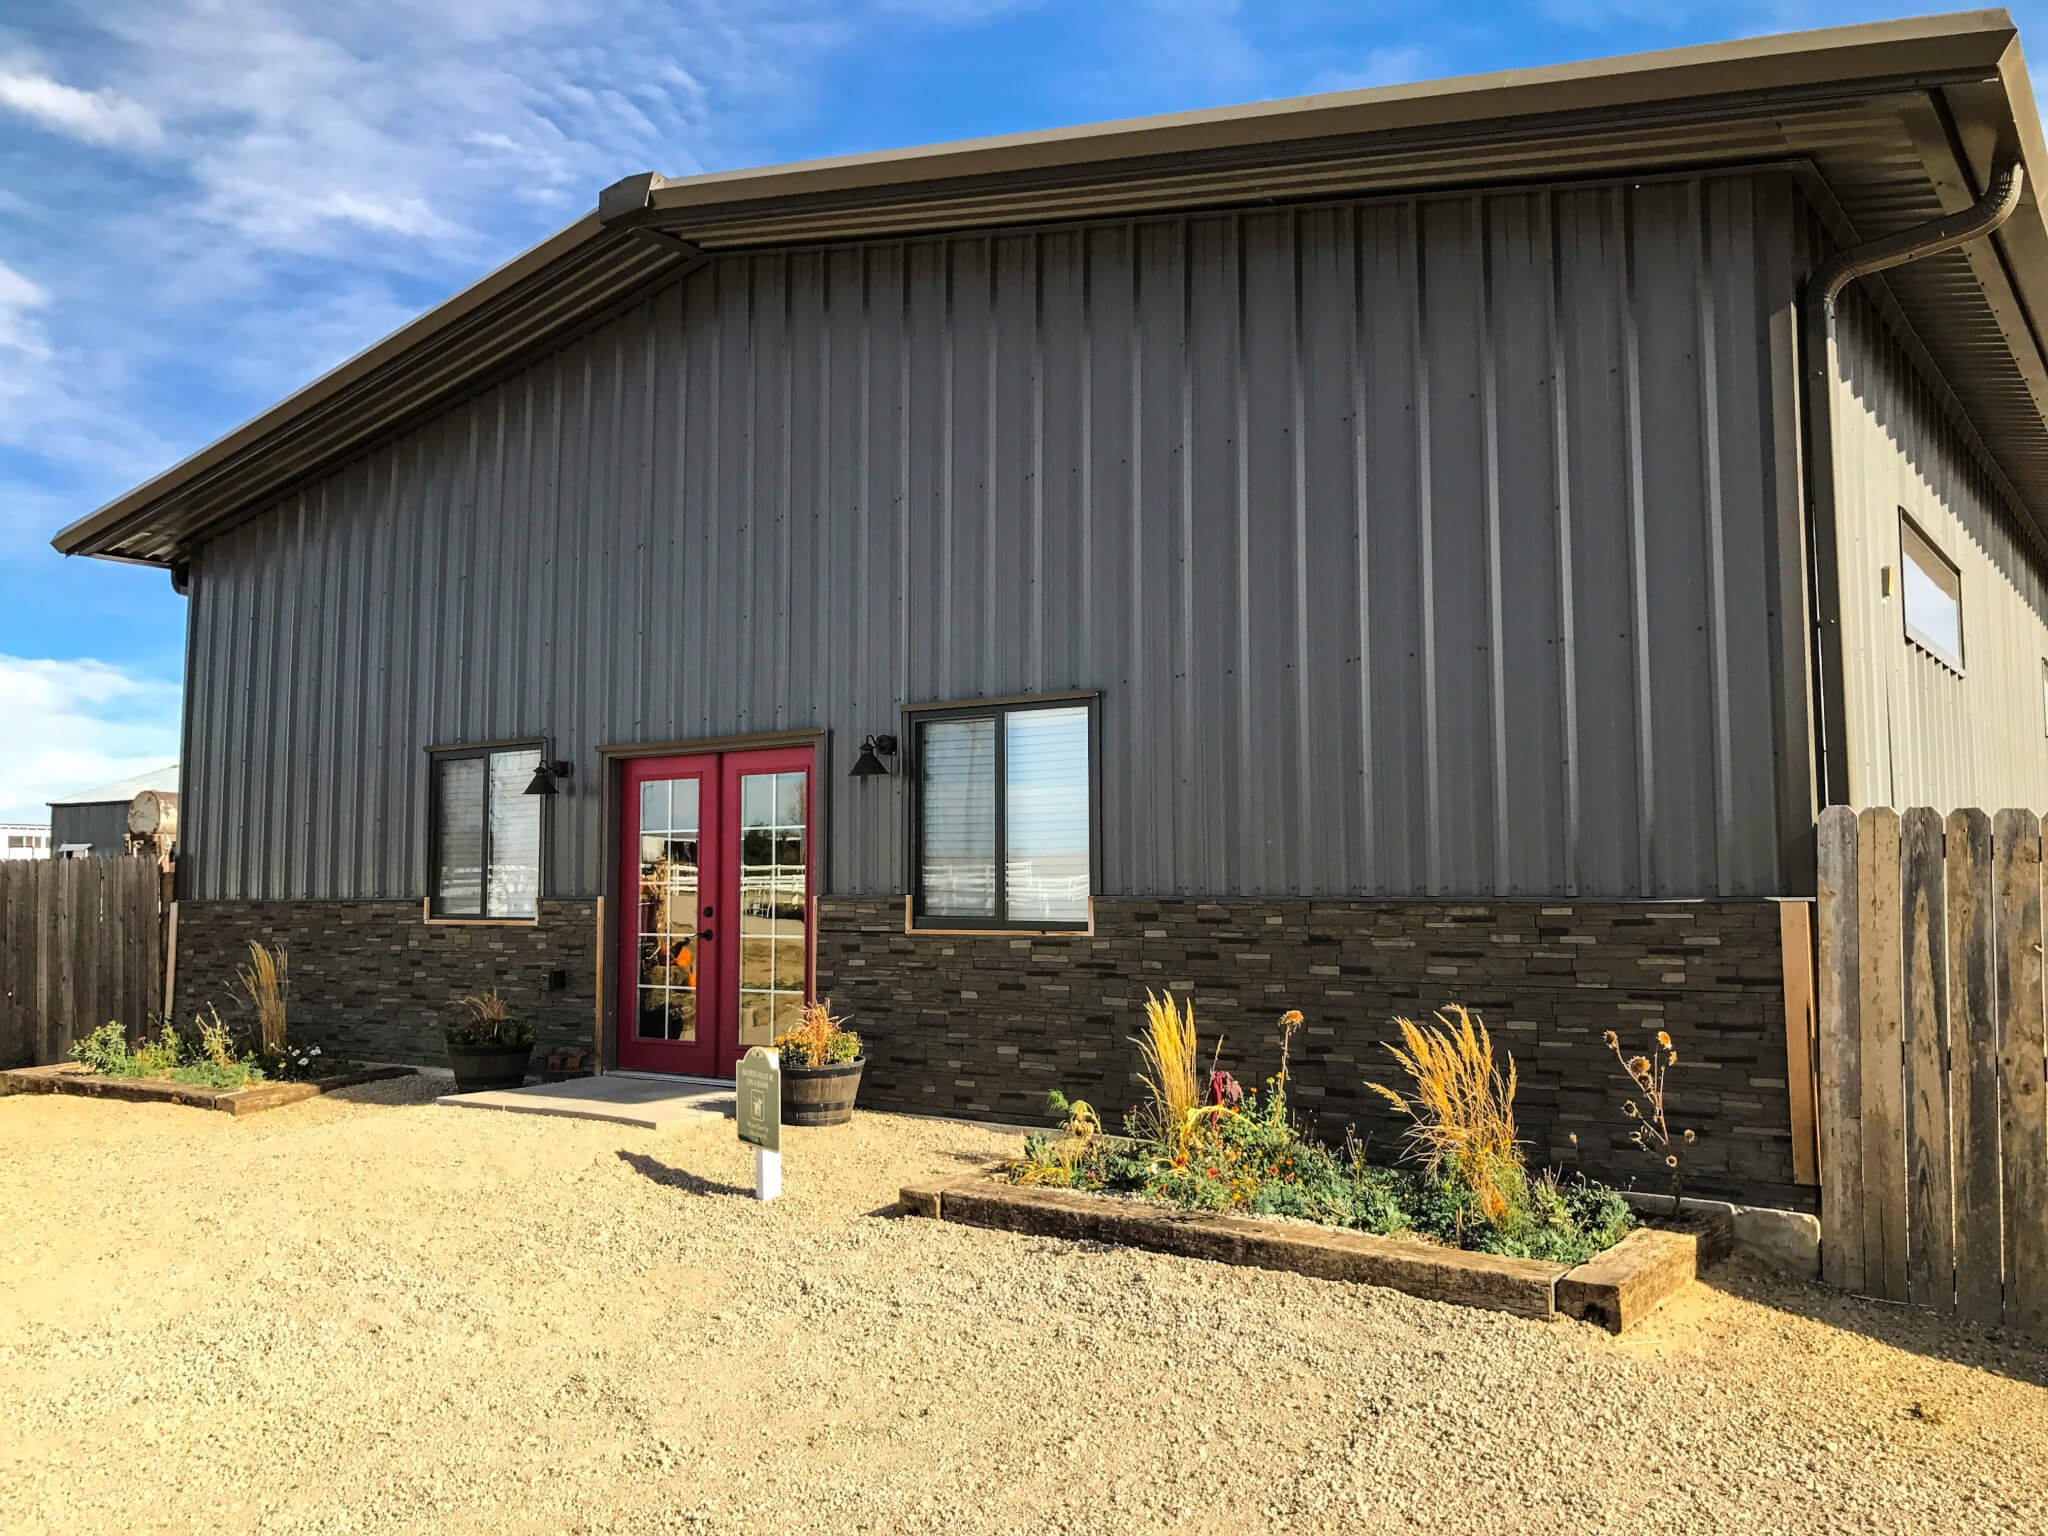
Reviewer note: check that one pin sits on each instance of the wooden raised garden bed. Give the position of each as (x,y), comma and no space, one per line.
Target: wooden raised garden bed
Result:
(70,1077)
(1613,1290)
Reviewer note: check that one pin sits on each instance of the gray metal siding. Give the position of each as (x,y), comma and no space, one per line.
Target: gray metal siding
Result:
(1417,547)
(104,826)
(1919,733)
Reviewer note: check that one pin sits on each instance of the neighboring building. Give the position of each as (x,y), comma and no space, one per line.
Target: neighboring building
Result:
(24,840)
(1395,547)
(94,822)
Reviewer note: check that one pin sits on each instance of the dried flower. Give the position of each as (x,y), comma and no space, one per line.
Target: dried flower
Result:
(1670,1161)
(1639,1067)
(1664,1038)
(1689,1138)
(1611,1038)
(1630,1109)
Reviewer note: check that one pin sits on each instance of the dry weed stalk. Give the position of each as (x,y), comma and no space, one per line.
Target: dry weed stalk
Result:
(1653,1131)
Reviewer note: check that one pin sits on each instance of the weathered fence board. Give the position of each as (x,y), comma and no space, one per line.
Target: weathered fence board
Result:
(1841,1087)
(1933,1039)
(81,942)
(1930,1192)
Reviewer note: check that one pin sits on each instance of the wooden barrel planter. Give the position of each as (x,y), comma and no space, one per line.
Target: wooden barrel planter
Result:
(820,1095)
(476,1070)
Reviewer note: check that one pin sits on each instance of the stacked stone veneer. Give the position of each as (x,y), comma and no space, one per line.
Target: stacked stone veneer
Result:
(983,1026)
(371,981)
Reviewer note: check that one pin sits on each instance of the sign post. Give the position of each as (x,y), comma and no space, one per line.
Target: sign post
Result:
(757,1111)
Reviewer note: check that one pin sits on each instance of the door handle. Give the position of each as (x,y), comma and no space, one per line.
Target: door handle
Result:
(705,933)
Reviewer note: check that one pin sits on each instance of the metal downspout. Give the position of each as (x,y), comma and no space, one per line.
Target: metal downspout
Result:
(1819,338)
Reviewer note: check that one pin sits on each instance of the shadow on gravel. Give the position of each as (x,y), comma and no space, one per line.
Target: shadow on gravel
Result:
(1913,1329)
(678,1178)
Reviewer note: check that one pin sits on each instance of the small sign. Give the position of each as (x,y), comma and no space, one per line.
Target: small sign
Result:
(757,1088)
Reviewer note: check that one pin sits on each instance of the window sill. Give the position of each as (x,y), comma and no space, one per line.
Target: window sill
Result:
(427,916)
(917,930)
(1932,652)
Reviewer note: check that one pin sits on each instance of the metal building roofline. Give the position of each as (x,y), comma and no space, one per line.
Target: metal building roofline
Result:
(1952,90)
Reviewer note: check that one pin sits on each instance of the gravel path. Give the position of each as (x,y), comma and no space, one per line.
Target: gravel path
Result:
(376,1315)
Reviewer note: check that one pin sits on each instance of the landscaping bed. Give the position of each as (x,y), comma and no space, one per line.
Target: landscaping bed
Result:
(1615,1289)
(74,1078)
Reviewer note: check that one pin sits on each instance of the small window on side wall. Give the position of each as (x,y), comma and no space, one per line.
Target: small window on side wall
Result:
(484,832)
(1933,593)
(1003,833)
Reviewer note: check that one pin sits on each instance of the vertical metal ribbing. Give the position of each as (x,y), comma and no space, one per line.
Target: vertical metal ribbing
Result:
(1186,821)
(991,388)
(1035,644)
(1418,349)
(1489,417)
(1084,653)
(1717,549)
(1567,652)
(1139,829)
(1632,382)
(1236,876)
(1368,874)
(1304,860)
(785,535)
(943,512)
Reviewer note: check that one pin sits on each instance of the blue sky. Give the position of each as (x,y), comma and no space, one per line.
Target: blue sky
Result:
(204,203)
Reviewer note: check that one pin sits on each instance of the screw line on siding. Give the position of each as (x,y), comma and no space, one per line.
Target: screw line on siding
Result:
(1489,433)
(1638,539)
(1035,644)
(1305,802)
(1560,420)
(1369,875)
(1717,553)
(1426,522)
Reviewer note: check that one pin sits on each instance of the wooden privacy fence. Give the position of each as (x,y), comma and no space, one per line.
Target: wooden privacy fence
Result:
(1933,1115)
(81,942)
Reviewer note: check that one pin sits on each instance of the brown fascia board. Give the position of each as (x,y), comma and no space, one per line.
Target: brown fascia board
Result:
(1843,58)
(1870,58)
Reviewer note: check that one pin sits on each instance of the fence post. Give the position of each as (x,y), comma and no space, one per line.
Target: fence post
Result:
(1838,914)
(1973,1065)
(1930,1182)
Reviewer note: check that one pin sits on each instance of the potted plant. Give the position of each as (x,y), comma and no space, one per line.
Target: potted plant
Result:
(821,1062)
(486,1048)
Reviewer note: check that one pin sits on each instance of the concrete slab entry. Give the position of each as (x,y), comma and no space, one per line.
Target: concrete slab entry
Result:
(651,1103)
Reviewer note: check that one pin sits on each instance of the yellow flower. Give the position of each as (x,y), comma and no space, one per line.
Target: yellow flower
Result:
(1290,1018)
(1640,1066)
(1664,1038)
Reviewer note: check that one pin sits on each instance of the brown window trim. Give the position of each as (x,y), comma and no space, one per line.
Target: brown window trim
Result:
(1945,574)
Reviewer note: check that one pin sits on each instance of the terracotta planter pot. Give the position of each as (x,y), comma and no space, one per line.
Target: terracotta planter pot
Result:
(480,1067)
(820,1095)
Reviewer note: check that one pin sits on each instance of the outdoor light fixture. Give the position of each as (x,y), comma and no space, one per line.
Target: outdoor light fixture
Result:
(546,773)
(867,765)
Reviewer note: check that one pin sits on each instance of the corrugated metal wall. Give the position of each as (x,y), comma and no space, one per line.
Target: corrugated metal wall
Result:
(1919,732)
(1416,547)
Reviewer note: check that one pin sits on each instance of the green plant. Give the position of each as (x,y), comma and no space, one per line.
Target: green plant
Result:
(486,1024)
(1652,1130)
(159,1057)
(215,1044)
(104,1051)
(1461,1108)
(820,1039)
(265,985)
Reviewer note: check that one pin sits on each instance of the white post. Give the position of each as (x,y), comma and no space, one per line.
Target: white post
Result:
(767,1174)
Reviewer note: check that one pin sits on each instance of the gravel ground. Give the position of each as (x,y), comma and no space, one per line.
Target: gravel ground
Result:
(365,1313)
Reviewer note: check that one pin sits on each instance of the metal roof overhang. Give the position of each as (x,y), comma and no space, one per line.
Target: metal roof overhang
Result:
(1900,122)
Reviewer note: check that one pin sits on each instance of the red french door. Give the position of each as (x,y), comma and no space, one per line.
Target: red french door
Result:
(715,908)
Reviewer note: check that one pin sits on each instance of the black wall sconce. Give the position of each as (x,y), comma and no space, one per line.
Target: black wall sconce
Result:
(546,773)
(868,764)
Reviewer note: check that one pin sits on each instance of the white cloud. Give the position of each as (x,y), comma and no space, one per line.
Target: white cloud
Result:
(95,117)
(77,724)
(19,298)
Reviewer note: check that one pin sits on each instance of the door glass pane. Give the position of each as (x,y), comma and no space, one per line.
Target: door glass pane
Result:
(774,936)
(668,914)
(1045,815)
(957,825)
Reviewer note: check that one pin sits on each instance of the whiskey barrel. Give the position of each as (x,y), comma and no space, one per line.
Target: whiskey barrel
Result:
(820,1095)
